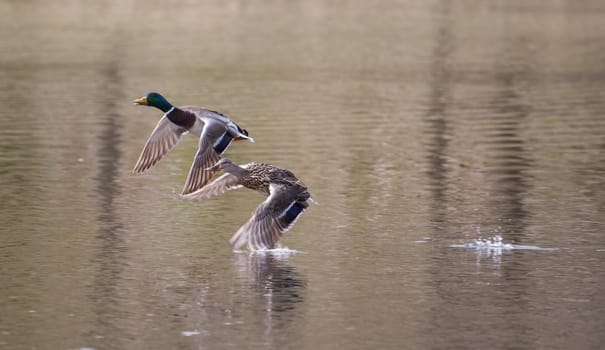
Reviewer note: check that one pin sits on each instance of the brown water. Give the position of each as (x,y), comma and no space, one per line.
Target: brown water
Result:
(419,127)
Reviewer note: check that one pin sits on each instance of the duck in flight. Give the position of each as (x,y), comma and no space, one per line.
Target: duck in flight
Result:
(287,199)
(215,130)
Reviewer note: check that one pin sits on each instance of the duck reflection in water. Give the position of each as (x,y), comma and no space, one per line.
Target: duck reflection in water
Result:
(277,282)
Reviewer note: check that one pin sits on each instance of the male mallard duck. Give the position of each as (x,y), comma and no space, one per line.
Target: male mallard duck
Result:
(287,199)
(216,132)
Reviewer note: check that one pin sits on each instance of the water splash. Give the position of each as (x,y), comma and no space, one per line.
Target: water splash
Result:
(278,251)
(496,245)
(493,248)
(191,333)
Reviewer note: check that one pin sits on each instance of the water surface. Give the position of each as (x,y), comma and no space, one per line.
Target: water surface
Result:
(421,128)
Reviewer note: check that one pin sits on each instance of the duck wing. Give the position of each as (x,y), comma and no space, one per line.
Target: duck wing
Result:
(205,157)
(162,139)
(276,215)
(221,185)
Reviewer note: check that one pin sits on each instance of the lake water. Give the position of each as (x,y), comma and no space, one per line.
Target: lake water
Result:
(457,150)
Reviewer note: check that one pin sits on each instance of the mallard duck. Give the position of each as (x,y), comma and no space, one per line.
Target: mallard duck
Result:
(287,199)
(215,130)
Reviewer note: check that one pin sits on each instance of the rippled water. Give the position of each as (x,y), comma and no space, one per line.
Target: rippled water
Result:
(457,151)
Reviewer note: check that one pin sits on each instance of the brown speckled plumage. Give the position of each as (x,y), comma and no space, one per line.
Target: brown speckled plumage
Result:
(287,199)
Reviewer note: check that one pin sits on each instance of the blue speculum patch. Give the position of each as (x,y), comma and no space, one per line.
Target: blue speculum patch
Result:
(292,213)
(223,143)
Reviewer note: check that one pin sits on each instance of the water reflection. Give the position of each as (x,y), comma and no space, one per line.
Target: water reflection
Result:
(277,282)
(259,296)
(436,118)
(509,161)
(110,256)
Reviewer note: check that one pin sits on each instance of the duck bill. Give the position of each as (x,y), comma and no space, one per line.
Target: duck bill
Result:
(141,101)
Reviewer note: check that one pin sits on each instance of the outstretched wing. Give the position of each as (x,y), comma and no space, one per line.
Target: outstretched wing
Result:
(205,157)
(222,184)
(276,215)
(162,139)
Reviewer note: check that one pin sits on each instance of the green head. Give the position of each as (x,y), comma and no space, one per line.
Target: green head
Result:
(155,100)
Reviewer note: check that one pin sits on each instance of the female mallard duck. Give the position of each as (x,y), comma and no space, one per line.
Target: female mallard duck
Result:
(287,199)
(216,132)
